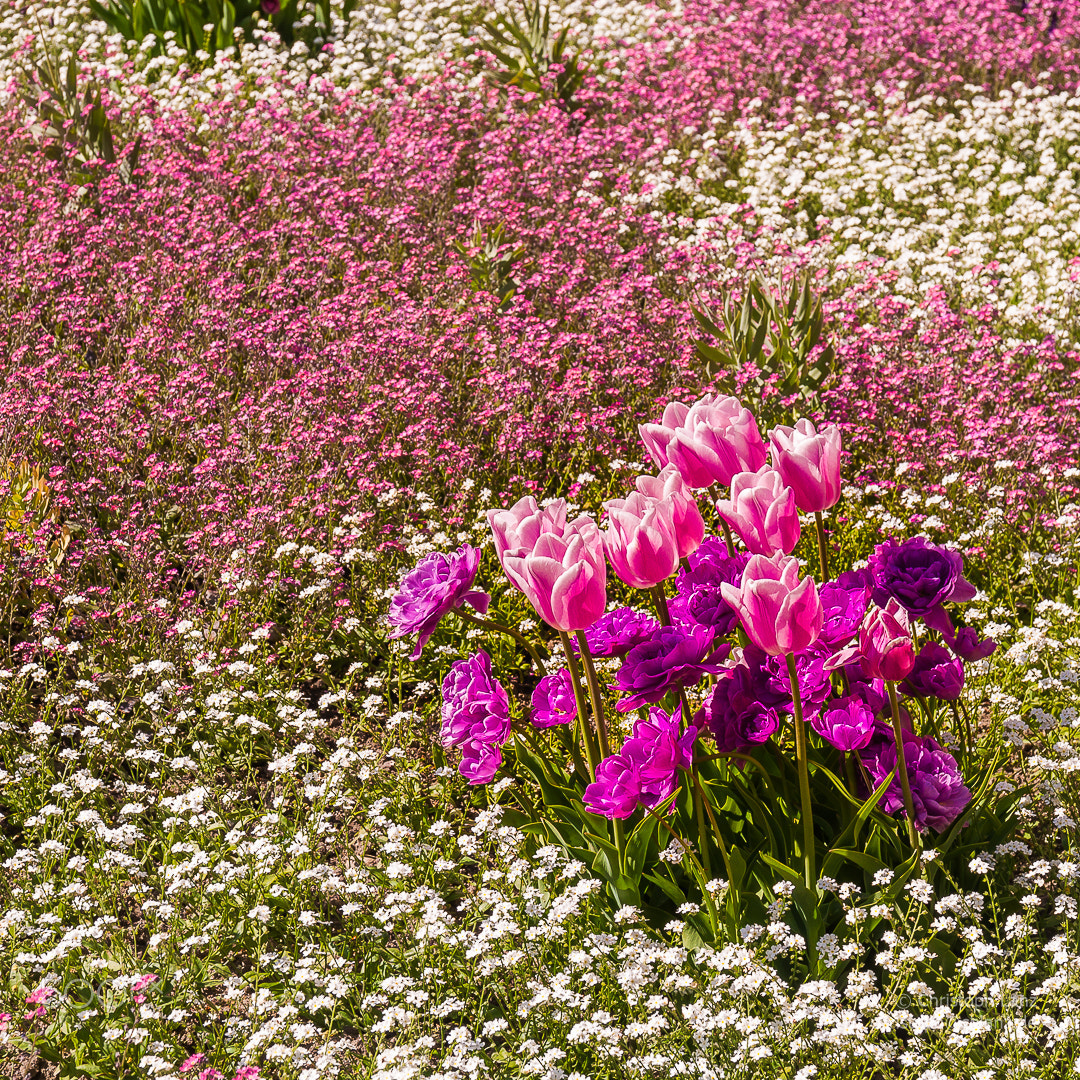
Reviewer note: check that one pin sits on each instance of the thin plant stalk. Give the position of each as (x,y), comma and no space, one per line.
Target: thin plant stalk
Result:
(579,701)
(698,869)
(901,766)
(594,693)
(809,859)
(822,547)
(661,605)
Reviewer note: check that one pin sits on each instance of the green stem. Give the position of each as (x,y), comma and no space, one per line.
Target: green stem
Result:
(661,605)
(822,547)
(594,693)
(699,871)
(728,539)
(901,766)
(579,701)
(703,836)
(809,869)
(502,628)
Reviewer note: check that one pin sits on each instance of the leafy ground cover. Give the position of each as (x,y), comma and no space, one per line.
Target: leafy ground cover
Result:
(353,291)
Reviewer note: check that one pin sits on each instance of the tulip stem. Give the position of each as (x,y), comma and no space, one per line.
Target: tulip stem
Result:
(901,766)
(579,701)
(502,628)
(661,605)
(696,867)
(594,694)
(809,860)
(822,547)
(728,539)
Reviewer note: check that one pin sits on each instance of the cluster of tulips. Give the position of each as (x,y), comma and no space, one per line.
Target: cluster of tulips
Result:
(742,644)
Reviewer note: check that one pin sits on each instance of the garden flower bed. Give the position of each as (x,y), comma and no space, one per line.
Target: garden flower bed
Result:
(539,541)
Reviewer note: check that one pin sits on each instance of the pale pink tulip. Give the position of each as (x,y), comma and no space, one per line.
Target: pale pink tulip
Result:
(762,511)
(640,540)
(669,487)
(779,613)
(809,462)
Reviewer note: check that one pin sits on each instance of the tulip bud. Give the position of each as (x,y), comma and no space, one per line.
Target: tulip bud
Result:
(885,646)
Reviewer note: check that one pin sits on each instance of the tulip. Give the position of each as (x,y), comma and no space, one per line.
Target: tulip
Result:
(669,487)
(809,462)
(640,540)
(883,649)
(780,614)
(762,511)
(657,437)
(558,565)
(714,439)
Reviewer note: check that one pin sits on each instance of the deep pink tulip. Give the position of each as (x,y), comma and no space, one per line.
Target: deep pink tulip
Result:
(716,438)
(656,437)
(779,613)
(762,511)
(809,462)
(640,540)
(669,487)
(883,649)
(558,565)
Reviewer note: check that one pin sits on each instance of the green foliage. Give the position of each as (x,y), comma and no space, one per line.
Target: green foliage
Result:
(527,51)
(73,126)
(186,19)
(775,337)
(491,262)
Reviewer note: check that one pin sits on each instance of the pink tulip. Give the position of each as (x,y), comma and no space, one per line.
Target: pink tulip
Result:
(762,511)
(656,437)
(779,613)
(669,486)
(809,462)
(558,565)
(640,540)
(883,648)
(714,439)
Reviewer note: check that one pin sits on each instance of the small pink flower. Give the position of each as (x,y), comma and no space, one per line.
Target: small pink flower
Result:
(191,1062)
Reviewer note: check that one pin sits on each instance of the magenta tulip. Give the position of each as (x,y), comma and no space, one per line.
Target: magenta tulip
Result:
(809,462)
(779,613)
(669,487)
(640,540)
(762,511)
(883,648)
(558,565)
(715,439)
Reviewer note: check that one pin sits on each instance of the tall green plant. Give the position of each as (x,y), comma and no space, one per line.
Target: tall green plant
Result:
(778,337)
(527,51)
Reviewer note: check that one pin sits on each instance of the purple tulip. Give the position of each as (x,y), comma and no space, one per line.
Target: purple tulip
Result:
(475,706)
(844,602)
(671,659)
(920,575)
(437,584)
(553,700)
(645,770)
(967,645)
(617,632)
(847,723)
(480,761)
(938,793)
(737,719)
(616,791)
(937,673)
